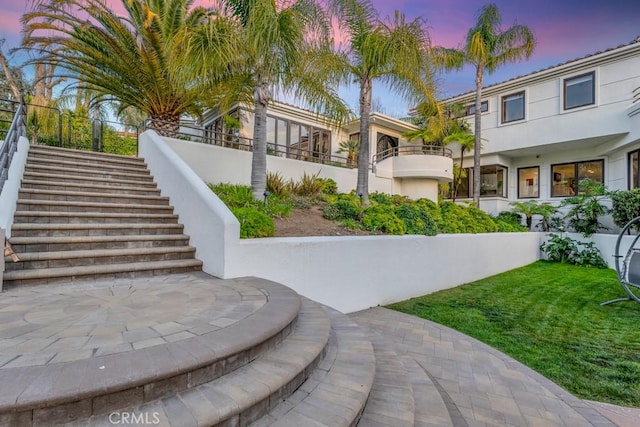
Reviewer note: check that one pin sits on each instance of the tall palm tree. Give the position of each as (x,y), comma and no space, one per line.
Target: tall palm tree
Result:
(393,52)
(280,47)
(486,48)
(466,141)
(136,59)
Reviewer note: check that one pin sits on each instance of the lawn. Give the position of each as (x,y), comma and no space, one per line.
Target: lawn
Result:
(547,316)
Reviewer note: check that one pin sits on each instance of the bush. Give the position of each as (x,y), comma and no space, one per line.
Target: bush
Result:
(625,206)
(344,207)
(277,185)
(586,208)
(509,222)
(382,218)
(309,185)
(566,250)
(234,196)
(416,220)
(254,223)
(329,186)
(483,223)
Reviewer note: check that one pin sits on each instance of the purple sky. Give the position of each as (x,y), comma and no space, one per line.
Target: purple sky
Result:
(565,29)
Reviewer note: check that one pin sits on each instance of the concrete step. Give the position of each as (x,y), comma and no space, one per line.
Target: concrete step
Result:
(74,206)
(70,243)
(101,229)
(336,391)
(391,402)
(43,276)
(88,187)
(238,324)
(81,173)
(326,366)
(75,258)
(83,196)
(45,176)
(52,217)
(39,152)
(97,166)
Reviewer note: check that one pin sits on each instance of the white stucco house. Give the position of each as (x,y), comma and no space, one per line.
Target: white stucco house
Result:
(296,135)
(545,131)
(542,133)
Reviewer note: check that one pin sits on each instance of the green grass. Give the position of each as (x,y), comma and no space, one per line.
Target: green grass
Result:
(547,316)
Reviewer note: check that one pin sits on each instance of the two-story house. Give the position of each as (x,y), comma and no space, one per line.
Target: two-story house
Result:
(545,131)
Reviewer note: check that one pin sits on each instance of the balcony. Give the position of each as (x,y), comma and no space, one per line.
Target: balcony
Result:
(415,161)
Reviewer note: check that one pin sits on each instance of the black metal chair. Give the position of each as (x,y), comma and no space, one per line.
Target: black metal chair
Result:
(628,265)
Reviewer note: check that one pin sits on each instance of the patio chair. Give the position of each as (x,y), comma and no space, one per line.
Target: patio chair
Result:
(628,265)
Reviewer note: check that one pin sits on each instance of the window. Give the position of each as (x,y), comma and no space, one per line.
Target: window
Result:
(513,107)
(297,141)
(634,169)
(470,109)
(579,91)
(565,177)
(528,182)
(493,182)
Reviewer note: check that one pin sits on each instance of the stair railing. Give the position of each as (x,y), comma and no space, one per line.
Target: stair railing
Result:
(9,145)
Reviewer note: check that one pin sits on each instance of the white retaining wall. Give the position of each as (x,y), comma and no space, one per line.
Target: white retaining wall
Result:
(348,273)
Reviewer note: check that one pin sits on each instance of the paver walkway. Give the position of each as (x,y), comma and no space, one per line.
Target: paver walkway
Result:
(482,386)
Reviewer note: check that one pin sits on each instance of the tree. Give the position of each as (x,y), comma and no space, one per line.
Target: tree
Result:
(466,141)
(136,59)
(279,51)
(12,77)
(486,48)
(392,52)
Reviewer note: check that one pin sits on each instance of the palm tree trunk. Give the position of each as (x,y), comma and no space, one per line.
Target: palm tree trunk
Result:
(456,183)
(259,159)
(166,124)
(476,148)
(362,187)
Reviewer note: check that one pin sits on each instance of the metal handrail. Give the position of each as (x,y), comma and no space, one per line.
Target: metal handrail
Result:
(636,95)
(413,150)
(195,133)
(9,145)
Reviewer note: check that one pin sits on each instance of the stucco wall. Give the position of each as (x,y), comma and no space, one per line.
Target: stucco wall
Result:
(348,273)
(355,273)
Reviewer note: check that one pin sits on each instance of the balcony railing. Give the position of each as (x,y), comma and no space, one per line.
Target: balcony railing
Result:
(196,133)
(635,95)
(413,150)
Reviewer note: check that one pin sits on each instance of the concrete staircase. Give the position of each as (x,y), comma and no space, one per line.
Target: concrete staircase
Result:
(92,215)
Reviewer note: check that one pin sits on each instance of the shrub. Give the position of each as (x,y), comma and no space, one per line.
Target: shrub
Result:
(509,222)
(345,206)
(625,206)
(482,221)
(351,224)
(275,206)
(416,220)
(329,186)
(277,185)
(254,223)
(309,185)
(234,196)
(567,250)
(382,218)
(586,208)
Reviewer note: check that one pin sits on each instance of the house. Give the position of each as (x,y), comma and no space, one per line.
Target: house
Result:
(545,131)
(297,135)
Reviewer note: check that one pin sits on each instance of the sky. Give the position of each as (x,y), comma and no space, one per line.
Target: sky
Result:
(564,30)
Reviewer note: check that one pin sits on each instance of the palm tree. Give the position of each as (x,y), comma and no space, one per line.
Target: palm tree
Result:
(136,59)
(392,52)
(486,48)
(279,50)
(466,141)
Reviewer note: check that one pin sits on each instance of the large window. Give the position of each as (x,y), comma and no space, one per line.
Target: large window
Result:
(634,169)
(513,107)
(297,141)
(579,91)
(566,177)
(529,183)
(493,182)
(470,109)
